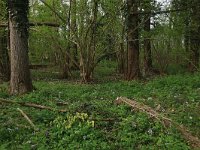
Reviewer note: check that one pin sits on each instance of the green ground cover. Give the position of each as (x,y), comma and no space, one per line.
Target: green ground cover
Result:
(94,121)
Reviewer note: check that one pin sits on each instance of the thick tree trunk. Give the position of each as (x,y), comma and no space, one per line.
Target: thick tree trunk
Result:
(18,24)
(4,58)
(133,70)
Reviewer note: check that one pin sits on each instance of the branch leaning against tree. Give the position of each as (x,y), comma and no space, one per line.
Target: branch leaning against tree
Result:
(56,13)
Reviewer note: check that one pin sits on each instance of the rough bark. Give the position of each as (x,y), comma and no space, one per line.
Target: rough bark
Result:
(20,81)
(133,70)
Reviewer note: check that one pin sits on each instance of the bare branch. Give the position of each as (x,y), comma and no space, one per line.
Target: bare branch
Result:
(31,105)
(27,118)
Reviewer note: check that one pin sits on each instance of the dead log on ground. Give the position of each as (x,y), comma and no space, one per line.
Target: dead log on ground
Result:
(192,140)
(32,105)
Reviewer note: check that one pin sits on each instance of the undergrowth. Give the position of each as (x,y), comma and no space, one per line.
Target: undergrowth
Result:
(94,121)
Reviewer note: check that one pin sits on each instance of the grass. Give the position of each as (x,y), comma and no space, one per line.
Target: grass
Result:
(84,126)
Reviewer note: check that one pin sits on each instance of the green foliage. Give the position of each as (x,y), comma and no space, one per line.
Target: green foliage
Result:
(142,133)
(3,10)
(178,97)
(84,126)
(71,132)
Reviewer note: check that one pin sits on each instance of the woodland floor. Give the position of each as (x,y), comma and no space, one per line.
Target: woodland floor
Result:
(93,120)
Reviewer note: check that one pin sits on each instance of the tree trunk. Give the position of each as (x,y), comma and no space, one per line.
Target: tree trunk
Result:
(133,70)
(18,24)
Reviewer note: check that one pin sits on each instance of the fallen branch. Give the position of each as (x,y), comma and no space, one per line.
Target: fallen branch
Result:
(192,140)
(32,105)
(144,108)
(27,118)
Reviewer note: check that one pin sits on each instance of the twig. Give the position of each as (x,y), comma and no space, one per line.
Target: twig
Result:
(193,141)
(32,105)
(27,118)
